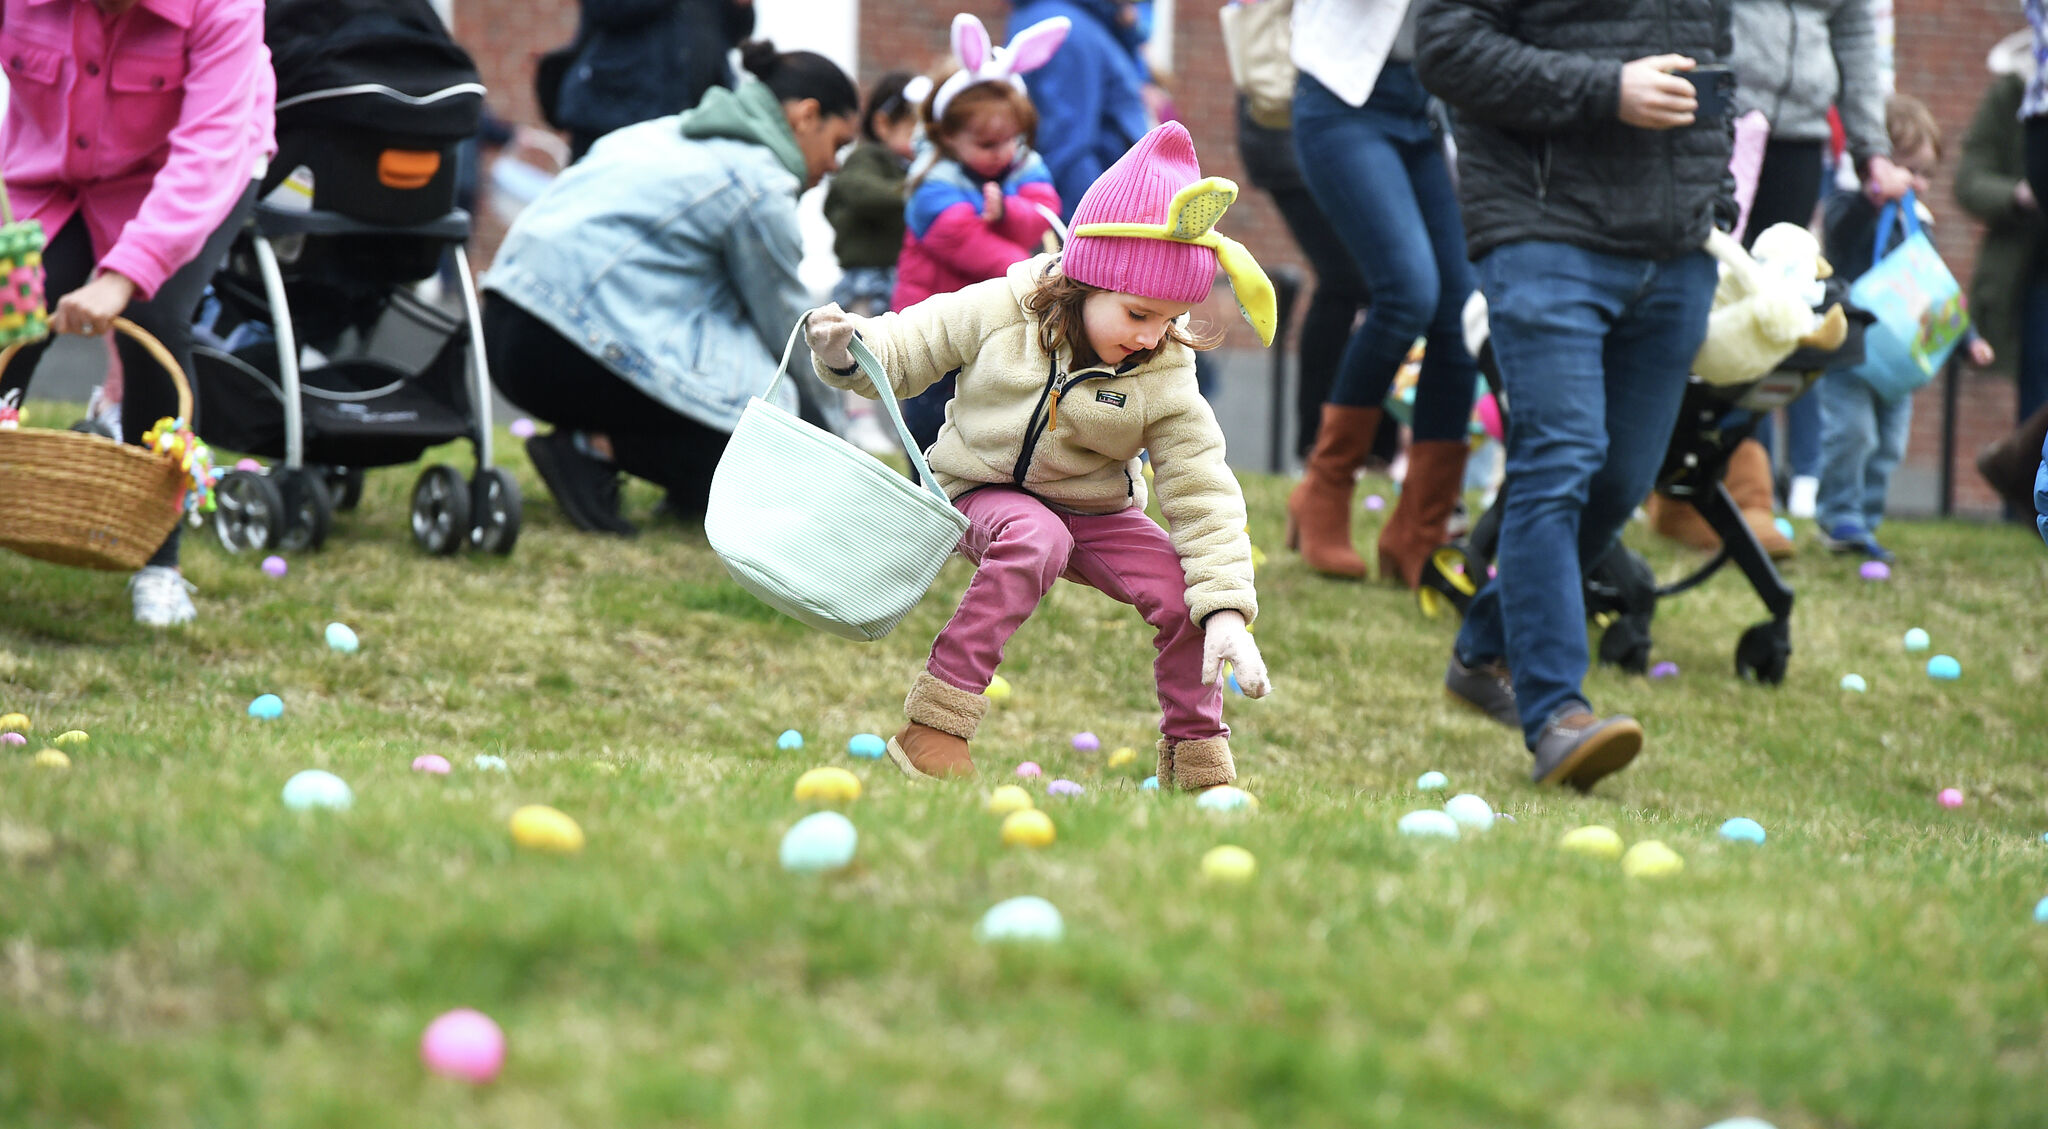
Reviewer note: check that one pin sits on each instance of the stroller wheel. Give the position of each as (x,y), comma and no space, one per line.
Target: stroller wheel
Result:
(440,510)
(345,486)
(1763,652)
(494,507)
(1626,643)
(307,510)
(248,511)
(1447,584)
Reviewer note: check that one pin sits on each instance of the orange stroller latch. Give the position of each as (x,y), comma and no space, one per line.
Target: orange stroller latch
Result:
(407,168)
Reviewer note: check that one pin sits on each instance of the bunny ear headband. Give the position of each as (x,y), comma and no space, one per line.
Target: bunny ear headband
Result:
(1191,218)
(981,61)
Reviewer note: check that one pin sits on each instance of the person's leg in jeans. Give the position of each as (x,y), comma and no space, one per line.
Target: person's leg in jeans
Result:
(1340,293)
(1894,420)
(1848,438)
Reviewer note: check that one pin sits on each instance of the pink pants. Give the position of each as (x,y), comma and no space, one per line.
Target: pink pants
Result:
(1022,545)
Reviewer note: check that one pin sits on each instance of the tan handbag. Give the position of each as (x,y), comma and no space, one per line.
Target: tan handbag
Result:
(1256,37)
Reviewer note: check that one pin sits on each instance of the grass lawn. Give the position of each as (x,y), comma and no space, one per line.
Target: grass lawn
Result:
(178,949)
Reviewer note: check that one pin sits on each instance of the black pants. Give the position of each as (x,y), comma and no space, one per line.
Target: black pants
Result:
(551,378)
(147,394)
(1787,191)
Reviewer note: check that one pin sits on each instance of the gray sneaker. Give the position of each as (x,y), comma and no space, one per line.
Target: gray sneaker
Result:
(1578,749)
(1486,688)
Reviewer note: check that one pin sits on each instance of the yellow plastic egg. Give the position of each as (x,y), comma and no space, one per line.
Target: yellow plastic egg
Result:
(538,827)
(69,738)
(16,722)
(1229,864)
(1122,757)
(1594,841)
(1027,828)
(998,689)
(1651,859)
(53,758)
(828,785)
(1009,798)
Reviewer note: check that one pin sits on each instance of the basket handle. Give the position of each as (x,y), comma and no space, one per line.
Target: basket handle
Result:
(150,345)
(884,392)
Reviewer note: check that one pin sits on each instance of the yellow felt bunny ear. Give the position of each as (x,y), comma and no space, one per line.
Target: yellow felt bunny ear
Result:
(1191,218)
(1196,208)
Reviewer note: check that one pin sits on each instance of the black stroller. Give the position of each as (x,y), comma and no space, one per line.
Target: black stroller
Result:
(1621,590)
(315,349)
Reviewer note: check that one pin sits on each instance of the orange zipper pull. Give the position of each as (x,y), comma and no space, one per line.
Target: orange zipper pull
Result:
(1052,419)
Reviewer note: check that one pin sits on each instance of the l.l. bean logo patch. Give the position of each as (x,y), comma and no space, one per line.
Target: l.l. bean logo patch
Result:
(1113,399)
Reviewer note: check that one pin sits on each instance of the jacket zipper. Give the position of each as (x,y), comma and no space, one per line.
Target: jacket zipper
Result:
(1049,403)
(1791,58)
(1543,171)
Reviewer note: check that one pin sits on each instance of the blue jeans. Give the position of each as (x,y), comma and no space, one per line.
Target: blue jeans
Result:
(1378,174)
(1862,439)
(1593,351)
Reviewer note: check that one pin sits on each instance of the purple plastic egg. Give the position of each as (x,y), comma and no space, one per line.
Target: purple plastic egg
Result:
(1666,669)
(431,762)
(1087,742)
(275,566)
(522,428)
(1875,570)
(1062,788)
(1375,503)
(1029,768)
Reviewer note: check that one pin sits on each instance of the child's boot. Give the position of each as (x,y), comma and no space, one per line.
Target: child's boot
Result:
(1193,766)
(943,719)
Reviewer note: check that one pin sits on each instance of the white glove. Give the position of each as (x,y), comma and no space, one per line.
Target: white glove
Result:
(1230,641)
(829,331)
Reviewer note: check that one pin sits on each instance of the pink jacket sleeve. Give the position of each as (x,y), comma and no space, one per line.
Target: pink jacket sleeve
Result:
(962,242)
(1023,224)
(228,87)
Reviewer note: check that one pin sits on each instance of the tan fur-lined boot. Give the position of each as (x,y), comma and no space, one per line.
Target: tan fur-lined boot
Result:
(1422,516)
(1193,766)
(1749,483)
(1682,523)
(943,718)
(1319,508)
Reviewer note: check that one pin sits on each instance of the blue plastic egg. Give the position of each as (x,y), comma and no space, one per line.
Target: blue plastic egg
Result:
(1783,527)
(316,789)
(866,746)
(820,841)
(2041,911)
(1432,782)
(1231,681)
(1917,640)
(1741,830)
(790,739)
(1429,824)
(1224,797)
(1151,784)
(1470,811)
(485,762)
(1742,1123)
(1944,667)
(1854,683)
(341,638)
(268,707)
(1028,918)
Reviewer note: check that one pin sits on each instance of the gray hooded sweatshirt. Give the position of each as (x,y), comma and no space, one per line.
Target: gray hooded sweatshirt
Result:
(1795,58)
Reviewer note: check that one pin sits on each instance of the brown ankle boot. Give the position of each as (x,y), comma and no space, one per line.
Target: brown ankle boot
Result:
(1436,477)
(1193,766)
(1319,509)
(1749,483)
(2009,464)
(943,719)
(1680,522)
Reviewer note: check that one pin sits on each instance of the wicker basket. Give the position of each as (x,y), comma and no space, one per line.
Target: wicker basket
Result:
(85,500)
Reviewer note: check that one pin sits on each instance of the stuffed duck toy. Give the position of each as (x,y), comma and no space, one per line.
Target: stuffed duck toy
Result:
(1765,305)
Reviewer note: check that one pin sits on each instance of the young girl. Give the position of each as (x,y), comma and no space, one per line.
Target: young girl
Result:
(865,202)
(974,204)
(1069,366)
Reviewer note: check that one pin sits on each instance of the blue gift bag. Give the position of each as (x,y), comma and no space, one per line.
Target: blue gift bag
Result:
(1921,315)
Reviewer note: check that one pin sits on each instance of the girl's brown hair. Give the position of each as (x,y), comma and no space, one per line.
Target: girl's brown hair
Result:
(969,104)
(1056,302)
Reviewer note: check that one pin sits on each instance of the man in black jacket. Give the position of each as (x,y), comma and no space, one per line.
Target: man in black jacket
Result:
(1588,190)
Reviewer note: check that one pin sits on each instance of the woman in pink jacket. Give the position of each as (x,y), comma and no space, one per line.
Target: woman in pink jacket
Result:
(135,133)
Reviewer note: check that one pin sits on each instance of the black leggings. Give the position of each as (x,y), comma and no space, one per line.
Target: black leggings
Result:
(1787,186)
(550,377)
(147,393)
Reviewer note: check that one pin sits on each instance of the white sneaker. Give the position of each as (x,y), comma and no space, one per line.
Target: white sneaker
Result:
(1799,501)
(163,597)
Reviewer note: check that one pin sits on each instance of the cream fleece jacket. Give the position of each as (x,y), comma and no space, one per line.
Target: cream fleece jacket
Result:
(1072,438)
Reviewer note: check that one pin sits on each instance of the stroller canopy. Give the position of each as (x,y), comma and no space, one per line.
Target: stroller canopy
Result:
(383,65)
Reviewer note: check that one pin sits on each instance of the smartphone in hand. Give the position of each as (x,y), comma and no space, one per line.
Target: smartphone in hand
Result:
(1714,85)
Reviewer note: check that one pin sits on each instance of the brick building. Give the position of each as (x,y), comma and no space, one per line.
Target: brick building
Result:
(1939,56)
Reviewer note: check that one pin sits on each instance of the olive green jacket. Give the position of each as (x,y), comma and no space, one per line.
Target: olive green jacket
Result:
(1994,162)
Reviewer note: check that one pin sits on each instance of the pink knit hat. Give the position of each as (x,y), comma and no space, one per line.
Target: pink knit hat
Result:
(1137,189)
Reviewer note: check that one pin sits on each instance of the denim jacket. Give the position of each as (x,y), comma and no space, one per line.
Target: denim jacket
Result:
(672,259)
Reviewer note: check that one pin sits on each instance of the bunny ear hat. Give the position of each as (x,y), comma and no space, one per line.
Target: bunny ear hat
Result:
(982,61)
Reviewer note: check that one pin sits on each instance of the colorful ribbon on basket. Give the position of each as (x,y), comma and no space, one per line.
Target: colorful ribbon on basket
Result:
(171,438)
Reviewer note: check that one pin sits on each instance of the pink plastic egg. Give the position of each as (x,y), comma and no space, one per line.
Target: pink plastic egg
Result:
(463,1044)
(1951,797)
(431,762)
(1029,768)
(250,465)
(12,738)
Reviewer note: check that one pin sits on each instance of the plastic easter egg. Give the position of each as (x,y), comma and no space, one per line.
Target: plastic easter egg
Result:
(820,841)
(1375,503)
(485,762)
(52,758)
(2041,911)
(866,746)
(340,637)
(538,827)
(1432,782)
(1471,812)
(1007,799)
(1666,669)
(249,465)
(1151,784)
(1854,683)
(12,738)
(1122,757)
(827,786)
(267,707)
(998,689)
(1030,768)
(70,739)
(463,1044)
(1651,859)
(1944,667)
(521,428)
(433,764)
(15,722)
(1028,828)
(1229,865)
(1428,825)
(274,566)
(313,788)
(1223,797)
(1742,830)
(1062,788)
(1593,841)
(1086,742)
(1783,526)
(1742,1123)
(1950,797)
(1021,919)
(1875,570)
(1916,640)
(790,739)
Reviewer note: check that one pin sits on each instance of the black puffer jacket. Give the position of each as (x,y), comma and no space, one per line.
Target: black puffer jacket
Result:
(1536,89)
(641,59)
